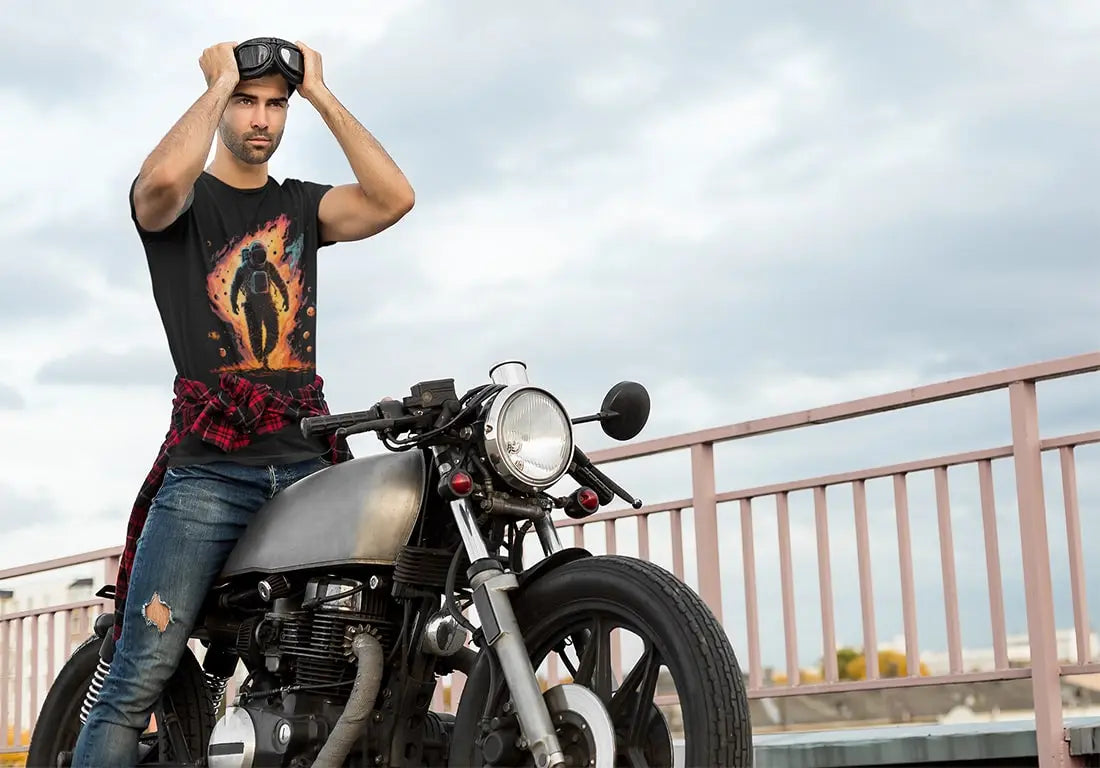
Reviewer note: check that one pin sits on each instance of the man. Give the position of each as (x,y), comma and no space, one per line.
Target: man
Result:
(245,370)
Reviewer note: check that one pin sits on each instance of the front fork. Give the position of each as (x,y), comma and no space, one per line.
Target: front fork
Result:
(491,585)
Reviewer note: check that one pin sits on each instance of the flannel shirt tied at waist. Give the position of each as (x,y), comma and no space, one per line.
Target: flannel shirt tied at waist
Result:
(227,417)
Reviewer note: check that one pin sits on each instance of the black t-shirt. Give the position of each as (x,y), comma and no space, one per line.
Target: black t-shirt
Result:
(235,281)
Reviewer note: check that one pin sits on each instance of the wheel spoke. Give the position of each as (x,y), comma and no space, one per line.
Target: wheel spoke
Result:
(636,754)
(595,663)
(631,705)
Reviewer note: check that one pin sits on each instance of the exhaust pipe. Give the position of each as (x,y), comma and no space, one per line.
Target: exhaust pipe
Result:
(364,692)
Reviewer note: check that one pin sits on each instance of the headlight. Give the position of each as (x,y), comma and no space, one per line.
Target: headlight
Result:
(528,437)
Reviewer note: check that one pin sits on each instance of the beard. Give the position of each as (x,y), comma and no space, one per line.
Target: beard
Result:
(248,153)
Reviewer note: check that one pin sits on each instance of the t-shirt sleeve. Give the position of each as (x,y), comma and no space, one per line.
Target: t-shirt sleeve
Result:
(168,232)
(312,192)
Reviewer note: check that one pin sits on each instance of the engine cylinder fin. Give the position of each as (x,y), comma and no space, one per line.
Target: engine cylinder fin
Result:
(317,642)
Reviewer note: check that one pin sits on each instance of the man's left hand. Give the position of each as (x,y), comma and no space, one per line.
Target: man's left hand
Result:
(313,77)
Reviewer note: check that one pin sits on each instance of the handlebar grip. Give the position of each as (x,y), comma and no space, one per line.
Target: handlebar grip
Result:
(315,425)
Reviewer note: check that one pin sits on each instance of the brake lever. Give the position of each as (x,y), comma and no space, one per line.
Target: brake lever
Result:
(585,476)
(583,462)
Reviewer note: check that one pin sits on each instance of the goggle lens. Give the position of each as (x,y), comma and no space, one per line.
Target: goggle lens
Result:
(291,58)
(252,56)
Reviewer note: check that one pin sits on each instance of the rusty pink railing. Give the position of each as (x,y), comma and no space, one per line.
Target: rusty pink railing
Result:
(1025,453)
(21,646)
(714,526)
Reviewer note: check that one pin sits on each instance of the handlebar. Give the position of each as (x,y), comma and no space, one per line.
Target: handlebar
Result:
(389,414)
(384,415)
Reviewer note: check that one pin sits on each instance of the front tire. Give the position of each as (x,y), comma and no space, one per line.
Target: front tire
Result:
(594,595)
(186,697)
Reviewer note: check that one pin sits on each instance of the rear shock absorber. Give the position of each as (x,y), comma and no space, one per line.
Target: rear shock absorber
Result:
(217,685)
(92,696)
(218,667)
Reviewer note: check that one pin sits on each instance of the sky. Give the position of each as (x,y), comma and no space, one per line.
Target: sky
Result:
(750,210)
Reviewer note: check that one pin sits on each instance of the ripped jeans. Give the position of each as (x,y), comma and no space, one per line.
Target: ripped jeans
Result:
(195,520)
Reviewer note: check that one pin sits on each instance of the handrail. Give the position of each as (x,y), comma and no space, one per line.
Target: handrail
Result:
(864,406)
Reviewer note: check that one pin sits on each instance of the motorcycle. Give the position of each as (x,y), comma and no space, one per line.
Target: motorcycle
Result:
(348,599)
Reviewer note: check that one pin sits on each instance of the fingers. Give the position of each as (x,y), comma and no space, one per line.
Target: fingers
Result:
(229,44)
(305,49)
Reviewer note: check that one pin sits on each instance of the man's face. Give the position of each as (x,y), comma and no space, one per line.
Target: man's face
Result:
(252,124)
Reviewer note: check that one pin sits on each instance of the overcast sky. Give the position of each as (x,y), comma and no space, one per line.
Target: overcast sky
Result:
(751,211)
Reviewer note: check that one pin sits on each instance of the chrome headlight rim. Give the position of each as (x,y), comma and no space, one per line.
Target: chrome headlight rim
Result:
(494,450)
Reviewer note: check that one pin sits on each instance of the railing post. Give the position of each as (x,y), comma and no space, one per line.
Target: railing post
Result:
(704,502)
(110,576)
(1053,749)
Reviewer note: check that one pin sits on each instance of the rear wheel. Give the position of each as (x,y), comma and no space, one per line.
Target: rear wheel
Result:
(571,612)
(184,714)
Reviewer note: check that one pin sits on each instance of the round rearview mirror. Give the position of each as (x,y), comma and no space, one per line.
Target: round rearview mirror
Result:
(625,410)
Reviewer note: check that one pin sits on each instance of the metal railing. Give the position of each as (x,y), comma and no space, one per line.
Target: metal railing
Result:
(714,526)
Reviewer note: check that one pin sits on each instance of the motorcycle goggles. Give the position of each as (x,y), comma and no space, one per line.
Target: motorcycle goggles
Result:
(262,55)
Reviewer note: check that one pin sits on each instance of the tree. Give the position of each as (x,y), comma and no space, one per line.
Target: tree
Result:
(890,664)
(844,657)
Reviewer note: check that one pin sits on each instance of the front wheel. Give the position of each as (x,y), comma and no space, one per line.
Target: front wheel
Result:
(571,612)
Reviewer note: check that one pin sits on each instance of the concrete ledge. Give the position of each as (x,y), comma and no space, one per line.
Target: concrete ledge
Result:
(972,744)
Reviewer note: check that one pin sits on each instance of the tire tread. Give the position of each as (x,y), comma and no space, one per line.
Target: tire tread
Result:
(730,719)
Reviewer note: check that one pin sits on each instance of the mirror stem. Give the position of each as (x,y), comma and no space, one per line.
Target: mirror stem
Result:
(594,417)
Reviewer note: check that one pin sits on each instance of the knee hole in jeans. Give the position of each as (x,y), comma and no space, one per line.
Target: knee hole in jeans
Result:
(157,613)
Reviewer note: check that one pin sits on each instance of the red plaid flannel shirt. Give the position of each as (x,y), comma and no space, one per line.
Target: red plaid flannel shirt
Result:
(226,417)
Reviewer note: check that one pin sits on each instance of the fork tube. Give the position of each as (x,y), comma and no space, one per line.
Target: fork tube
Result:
(548,535)
(491,585)
(467,528)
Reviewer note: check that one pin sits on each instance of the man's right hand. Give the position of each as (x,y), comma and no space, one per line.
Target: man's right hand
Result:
(219,64)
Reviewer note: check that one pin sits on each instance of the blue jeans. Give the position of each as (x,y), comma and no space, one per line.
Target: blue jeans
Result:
(195,520)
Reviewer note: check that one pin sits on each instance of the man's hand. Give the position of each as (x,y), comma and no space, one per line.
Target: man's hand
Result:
(218,64)
(313,77)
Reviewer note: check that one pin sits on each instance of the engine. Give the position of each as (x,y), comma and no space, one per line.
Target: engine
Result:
(303,669)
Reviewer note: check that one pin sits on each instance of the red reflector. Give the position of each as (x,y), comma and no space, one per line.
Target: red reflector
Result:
(461,483)
(588,499)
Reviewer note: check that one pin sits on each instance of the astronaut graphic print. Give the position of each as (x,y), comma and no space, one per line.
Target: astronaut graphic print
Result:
(258,288)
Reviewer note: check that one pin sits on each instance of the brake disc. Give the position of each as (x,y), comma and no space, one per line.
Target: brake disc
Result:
(583,725)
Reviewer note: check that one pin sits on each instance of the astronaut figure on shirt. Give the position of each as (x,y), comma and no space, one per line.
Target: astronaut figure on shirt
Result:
(254,277)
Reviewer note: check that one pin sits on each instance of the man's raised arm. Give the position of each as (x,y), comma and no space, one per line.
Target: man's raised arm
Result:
(382,196)
(167,177)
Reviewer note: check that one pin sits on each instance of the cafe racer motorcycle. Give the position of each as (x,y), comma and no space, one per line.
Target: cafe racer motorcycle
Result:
(348,598)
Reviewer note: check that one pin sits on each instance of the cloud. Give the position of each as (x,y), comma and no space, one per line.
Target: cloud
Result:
(34,292)
(19,510)
(10,399)
(100,367)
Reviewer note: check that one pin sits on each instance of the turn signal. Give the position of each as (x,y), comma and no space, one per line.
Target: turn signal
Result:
(582,503)
(460,483)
